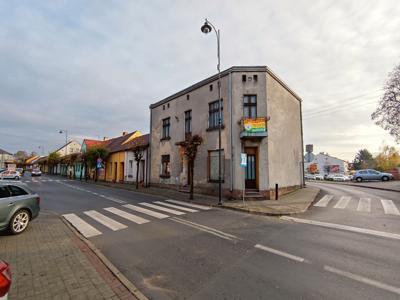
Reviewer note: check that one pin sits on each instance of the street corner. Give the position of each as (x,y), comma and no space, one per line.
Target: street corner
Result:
(50,261)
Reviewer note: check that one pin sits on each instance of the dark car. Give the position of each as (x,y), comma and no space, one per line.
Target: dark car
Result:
(18,206)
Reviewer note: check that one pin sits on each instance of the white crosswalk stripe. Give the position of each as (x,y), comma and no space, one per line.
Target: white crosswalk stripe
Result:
(176,206)
(106,221)
(202,207)
(146,211)
(389,207)
(324,201)
(126,215)
(84,228)
(168,210)
(343,202)
(364,205)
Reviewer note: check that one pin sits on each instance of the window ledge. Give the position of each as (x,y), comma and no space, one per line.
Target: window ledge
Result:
(165,139)
(165,176)
(215,128)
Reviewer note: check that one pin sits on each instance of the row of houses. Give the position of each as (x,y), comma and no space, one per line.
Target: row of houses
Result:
(261,119)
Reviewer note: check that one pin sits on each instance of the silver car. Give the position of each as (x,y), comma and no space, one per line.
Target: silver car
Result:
(10,175)
(18,206)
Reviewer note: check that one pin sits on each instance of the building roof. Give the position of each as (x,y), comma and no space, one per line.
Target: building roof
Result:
(121,143)
(32,160)
(225,73)
(93,143)
(65,145)
(4,152)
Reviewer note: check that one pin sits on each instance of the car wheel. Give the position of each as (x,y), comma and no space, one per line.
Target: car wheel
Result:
(19,221)
(385,178)
(358,179)
(16,178)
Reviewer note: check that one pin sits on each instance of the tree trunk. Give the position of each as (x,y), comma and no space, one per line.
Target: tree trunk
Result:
(95,174)
(137,174)
(191,164)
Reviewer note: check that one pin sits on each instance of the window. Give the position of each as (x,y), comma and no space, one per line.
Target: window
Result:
(165,128)
(244,78)
(187,97)
(211,87)
(4,193)
(130,165)
(255,77)
(17,191)
(213,113)
(250,106)
(167,105)
(213,165)
(165,167)
(188,121)
(163,107)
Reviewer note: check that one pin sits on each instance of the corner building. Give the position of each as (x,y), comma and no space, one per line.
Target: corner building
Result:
(261,116)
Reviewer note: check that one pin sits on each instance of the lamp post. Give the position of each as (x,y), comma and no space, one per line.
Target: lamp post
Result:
(207,28)
(66,139)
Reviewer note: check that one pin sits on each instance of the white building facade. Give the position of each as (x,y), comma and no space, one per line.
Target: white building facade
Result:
(325,164)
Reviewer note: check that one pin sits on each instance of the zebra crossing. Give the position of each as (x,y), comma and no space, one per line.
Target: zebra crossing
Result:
(361,205)
(119,218)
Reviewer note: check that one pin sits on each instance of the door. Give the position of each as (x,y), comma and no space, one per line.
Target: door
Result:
(251,169)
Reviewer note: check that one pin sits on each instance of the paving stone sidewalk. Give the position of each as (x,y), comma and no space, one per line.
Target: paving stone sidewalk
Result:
(48,261)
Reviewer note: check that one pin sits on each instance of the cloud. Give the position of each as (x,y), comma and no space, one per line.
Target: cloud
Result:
(94,68)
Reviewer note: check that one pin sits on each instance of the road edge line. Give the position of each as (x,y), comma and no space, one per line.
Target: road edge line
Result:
(113,269)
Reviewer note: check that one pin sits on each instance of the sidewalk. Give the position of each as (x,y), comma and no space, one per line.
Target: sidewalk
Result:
(49,261)
(292,203)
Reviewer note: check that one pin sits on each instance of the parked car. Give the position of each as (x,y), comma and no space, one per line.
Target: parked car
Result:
(2,170)
(319,177)
(340,177)
(309,176)
(370,174)
(10,175)
(5,279)
(18,206)
(329,177)
(36,172)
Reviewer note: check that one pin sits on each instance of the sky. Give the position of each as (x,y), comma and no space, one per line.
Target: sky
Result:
(94,67)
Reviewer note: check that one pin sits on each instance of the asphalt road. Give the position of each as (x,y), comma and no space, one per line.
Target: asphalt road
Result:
(222,254)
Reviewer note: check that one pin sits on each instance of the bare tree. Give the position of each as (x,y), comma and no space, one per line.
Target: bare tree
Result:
(387,115)
(138,153)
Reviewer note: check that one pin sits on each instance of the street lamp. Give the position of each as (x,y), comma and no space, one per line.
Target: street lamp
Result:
(207,28)
(66,139)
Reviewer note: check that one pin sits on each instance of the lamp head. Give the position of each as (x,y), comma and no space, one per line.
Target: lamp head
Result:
(206,28)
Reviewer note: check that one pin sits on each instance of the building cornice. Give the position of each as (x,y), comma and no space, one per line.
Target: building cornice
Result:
(224,73)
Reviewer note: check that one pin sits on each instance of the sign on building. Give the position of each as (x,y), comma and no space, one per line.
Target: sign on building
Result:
(255,125)
(243,159)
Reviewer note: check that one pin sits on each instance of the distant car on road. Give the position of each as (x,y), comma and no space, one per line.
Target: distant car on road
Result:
(340,177)
(370,174)
(36,172)
(309,176)
(10,175)
(319,177)
(20,170)
(5,279)
(18,206)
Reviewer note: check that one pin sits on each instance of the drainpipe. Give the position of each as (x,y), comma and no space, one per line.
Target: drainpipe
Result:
(231,131)
(302,148)
(149,150)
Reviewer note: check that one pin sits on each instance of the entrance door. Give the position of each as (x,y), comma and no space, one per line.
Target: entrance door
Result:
(251,169)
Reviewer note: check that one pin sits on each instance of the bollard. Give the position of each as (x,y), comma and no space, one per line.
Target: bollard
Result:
(276,191)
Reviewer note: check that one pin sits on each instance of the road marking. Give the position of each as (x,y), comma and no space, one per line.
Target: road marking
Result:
(146,211)
(86,229)
(389,207)
(176,206)
(324,201)
(343,202)
(380,285)
(168,210)
(364,205)
(116,200)
(281,253)
(125,215)
(344,227)
(106,221)
(207,229)
(189,204)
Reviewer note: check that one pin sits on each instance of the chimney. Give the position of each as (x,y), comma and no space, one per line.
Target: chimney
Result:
(124,133)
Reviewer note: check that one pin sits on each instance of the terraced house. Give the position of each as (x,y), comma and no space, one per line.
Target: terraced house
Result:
(261,116)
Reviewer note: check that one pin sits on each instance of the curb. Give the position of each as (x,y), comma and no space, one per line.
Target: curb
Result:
(364,186)
(113,269)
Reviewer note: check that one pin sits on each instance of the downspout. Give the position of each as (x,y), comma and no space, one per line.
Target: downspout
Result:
(231,131)
(148,173)
(302,148)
